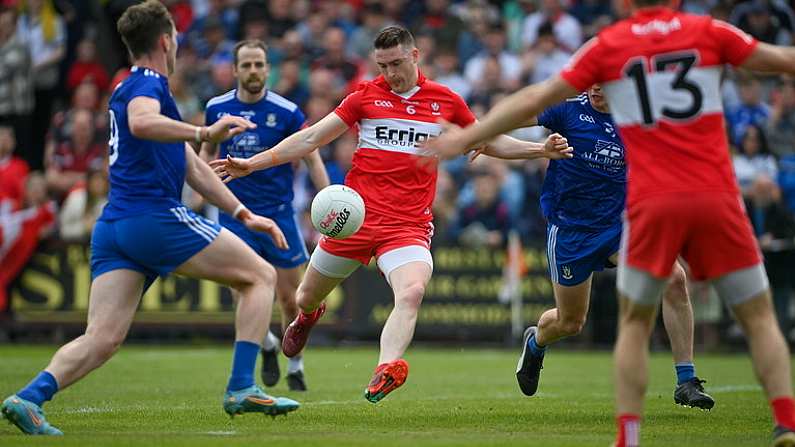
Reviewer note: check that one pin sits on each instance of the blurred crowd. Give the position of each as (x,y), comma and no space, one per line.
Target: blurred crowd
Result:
(60,60)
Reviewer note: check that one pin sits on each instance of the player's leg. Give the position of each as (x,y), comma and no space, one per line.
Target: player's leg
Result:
(286,287)
(324,273)
(228,260)
(113,299)
(566,319)
(677,315)
(408,269)
(769,351)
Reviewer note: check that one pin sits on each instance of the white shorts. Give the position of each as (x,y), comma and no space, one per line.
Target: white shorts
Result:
(339,267)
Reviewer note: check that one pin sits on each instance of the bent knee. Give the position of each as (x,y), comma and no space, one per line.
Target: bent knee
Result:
(105,345)
(411,295)
(572,326)
(677,284)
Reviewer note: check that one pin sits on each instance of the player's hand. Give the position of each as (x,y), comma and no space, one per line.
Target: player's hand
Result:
(255,222)
(447,145)
(230,168)
(556,147)
(227,127)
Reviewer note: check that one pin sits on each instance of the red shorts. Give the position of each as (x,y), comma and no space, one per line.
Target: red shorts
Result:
(378,235)
(710,230)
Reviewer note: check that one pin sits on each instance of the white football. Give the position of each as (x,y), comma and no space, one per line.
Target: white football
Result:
(337,211)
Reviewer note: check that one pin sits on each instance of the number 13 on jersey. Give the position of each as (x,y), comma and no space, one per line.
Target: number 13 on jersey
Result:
(669,86)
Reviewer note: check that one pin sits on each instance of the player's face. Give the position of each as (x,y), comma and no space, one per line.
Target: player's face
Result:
(597,97)
(251,70)
(399,67)
(171,50)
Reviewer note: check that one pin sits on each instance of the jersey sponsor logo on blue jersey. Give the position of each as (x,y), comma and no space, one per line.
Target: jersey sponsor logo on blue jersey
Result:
(607,156)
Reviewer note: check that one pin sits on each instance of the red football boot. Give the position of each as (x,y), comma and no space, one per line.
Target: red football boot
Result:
(297,332)
(387,378)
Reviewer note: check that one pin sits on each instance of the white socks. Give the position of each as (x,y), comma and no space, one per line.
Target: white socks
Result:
(271,342)
(295,364)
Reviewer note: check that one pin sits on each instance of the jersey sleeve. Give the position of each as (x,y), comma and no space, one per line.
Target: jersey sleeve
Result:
(463,114)
(553,118)
(150,87)
(210,116)
(350,109)
(297,120)
(584,69)
(735,45)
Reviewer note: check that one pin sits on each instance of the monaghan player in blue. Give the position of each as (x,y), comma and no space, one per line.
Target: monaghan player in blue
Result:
(269,192)
(583,199)
(145,231)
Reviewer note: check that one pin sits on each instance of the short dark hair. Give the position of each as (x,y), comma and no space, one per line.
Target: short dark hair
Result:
(392,36)
(142,25)
(642,3)
(251,43)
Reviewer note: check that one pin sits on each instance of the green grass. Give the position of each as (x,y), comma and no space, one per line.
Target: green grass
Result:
(156,396)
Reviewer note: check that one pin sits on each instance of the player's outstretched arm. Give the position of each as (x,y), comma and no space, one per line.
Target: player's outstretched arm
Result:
(200,177)
(512,112)
(292,148)
(146,122)
(317,170)
(771,58)
(555,147)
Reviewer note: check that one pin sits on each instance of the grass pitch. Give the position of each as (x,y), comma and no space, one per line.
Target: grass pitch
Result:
(171,396)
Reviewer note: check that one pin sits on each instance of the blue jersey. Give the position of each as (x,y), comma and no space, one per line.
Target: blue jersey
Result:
(145,175)
(588,190)
(276,118)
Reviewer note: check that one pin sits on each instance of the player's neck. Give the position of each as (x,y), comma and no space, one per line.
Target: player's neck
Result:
(156,64)
(249,98)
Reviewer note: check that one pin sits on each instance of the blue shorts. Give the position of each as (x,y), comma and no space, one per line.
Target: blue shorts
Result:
(574,254)
(263,244)
(154,244)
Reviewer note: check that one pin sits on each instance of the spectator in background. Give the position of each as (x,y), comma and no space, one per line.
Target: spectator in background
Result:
(342,157)
(83,206)
(786,179)
(781,123)
(373,20)
(444,207)
(68,163)
(774,227)
(593,15)
(486,221)
(447,73)
(768,21)
(219,13)
(323,84)
(495,47)
(488,85)
(13,170)
(21,230)
(470,42)
(313,32)
(567,28)
(753,159)
(85,97)
(440,22)
(334,57)
(87,68)
(545,58)
(42,29)
(277,15)
(187,103)
(290,85)
(16,86)
(752,110)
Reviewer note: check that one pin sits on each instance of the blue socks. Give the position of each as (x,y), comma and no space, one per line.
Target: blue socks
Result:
(685,371)
(40,390)
(243,363)
(537,351)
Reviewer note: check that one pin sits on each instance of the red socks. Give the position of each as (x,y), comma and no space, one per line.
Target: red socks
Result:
(628,430)
(784,411)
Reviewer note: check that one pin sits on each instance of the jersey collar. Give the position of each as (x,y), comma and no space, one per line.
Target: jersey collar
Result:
(381,82)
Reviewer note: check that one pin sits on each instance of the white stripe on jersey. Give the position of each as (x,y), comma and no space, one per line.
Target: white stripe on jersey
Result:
(626,109)
(280,101)
(228,96)
(182,216)
(396,135)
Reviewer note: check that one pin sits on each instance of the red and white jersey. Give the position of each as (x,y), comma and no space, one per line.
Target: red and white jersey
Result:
(391,126)
(661,72)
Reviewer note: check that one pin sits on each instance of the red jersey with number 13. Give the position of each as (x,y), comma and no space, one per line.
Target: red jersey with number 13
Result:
(661,72)
(391,126)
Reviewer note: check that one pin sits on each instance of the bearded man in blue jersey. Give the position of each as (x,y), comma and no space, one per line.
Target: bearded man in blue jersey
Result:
(268,192)
(145,231)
